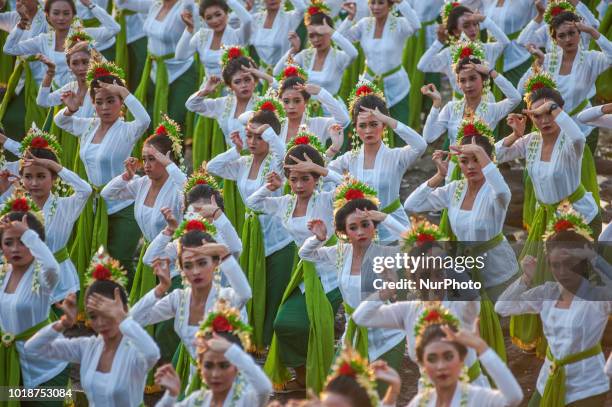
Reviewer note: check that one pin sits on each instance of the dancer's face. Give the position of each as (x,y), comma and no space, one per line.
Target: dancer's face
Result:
(302,184)
(152,168)
(60,15)
(108,106)
(243,84)
(442,363)
(567,36)
(106,327)
(468,26)
(370,131)
(294,104)
(470,82)
(318,41)
(38,181)
(470,168)
(198,269)
(216,18)
(217,372)
(379,8)
(17,254)
(79,64)
(256,145)
(567,269)
(360,232)
(545,122)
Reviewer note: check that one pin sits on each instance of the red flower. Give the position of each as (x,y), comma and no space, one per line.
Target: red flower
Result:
(290,71)
(346,370)
(268,106)
(302,140)
(313,10)
(466,52)
(101,273)
(101,72)
(161,129)
(537,85)
(354,194)
(234,52)
(556,10)
(470,130)
(455,4)
(422,238)
(20,205)
(221,324)
(432,316)
(39,142)
(194,225)
(562,225)
(363,90)
(201,182)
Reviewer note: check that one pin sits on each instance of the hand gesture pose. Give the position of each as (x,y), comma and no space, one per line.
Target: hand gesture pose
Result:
(351,9)
(467,338)
(163,159)
(273,181)
(6,179)
(366,114)
(317,227)
(336,133)
(367,214)
(187,18)
(209,249)
(72,101)
(517,123)
(171,222)
(69,309)
(112,309)
(306,165)
(114,89)
(131,166)
(161,268)
(431,92)
(310,88)
(295,42)
(51,165)
(167,378)
(18,228)
(211,85)
(237,140)
(529,265)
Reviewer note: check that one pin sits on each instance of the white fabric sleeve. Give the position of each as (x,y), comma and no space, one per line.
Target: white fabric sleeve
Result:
(425,198)
(509,391)
(49,275)
(260,386)
(237,280)
(50,344)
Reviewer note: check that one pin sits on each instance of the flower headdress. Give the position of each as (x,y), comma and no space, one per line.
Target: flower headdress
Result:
(201,177)
(446,10)
(21,202)
(538,80)
(224,318)
(353,189)
(364,88)
(37,138)
(271,103)
(291,70)
(104,267)
(193,221)
(78,36)
(306,137)
(421,233)
(351,363)
(475,127)
(554,8)
(316,7)
(465,48)
(170,128)
(104,68)
(231,52)
(567,218)
(437,315)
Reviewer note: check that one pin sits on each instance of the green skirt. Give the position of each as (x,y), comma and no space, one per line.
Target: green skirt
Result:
(400,112)
(351,75)
(208,139)
(137,55)
(233,203)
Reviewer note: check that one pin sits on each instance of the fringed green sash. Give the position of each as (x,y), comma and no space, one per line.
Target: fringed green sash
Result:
(321,336)
(234,206)
(61,255)
(33,113)
(351,74)
(208,140)
(183,362)
(144,278)
(6,61)
(69,143)
(122,58)
(10,369)
(490,327)
(499,67)
(392,207)
(160,101)
(91,233)
(253,262)
(526,330)
(356,336)
(554,391)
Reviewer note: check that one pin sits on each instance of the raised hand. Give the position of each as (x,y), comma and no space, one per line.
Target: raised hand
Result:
(585,28)
(545,108)
(377,115)
(537,53)
(438,157)
(432,92)
(6,179)
(237,140)
(187,18)
(211,85)
(385,373)
(163,159)
(305,165)
(442,33)
(209,249)
(48,63)
(310,88)
(350,8)
(86,3)
(24,19)
(482,68)
(69,308)
(467,338)
(16,226)
(72,101)
(218,343)
(131,166)
(295,42)
(109,308)
(210,211)
(529,265)
(114,89)
(336,134)
(167,378)
(318,228)
(374,216)
(472,149)
(161,268)
(257,130)
(273,181)
(51,165)
(517,123)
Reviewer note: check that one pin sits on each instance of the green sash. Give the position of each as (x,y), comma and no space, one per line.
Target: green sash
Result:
(234,206)
(579,108)
(554,391)
(61,255)
(379,80)
(490,327)
(413,51)
(351,74)
(10,369)
(144,278)
(321,336)
(392,207)
(474,371)
(33,113)
(6,60)
(91,233)
(69,143)
(603,84)
(356,336)
(160,101)
(526,330)
(499,67)
(121,46)
(183,362)
(253,262)
(208,140)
